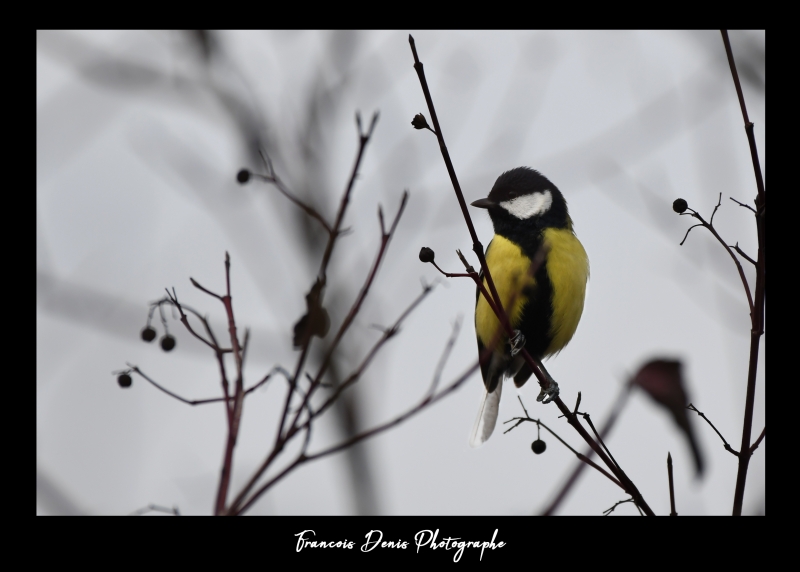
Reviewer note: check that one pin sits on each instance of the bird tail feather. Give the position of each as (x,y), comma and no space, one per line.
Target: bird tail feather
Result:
(487,416)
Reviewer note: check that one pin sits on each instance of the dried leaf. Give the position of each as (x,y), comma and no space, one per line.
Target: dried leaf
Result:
(662,380)
(315,322)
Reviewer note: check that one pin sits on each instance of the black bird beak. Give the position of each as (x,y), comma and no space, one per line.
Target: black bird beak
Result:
(483,203)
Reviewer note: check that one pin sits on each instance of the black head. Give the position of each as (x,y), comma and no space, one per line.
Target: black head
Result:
(523,199)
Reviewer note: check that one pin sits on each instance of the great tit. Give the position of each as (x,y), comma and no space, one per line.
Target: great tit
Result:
(527,210)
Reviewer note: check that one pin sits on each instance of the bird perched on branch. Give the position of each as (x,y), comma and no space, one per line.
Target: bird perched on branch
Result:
(527,211)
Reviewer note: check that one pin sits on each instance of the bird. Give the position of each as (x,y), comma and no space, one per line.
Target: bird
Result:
(527,211)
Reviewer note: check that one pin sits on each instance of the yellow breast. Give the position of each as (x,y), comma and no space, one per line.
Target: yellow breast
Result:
(509,268)
(568,269)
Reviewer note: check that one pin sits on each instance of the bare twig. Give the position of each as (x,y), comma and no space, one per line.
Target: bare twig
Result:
(622,399)
(671,487)
(588,419)
(748,125)
(305,426)
(688,231)
(385,239)
(197,285)
(445,355)
(144,376)
(156,508)
(363,139)
(536,367)
(272,177)
(427,401)
(710,227)
(238,402)
(758,441)
(355,376)
(583,458)
(741,204)
(757,307)
(743,255)
(703,415)
(608,511)
(172,298)
(288,432)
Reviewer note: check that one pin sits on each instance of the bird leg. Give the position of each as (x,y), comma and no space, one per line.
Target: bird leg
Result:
(549,394)
(516,343)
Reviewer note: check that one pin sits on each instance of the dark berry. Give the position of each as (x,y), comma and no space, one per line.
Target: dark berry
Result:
(167,343)
(419,122)
(426,254)
(148,334)
(124,380)
(243,176)
(538,446)
(680,206)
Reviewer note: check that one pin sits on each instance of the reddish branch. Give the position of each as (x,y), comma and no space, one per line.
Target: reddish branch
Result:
(757,308)
(710,226)
(364,138)
(295,426)
(303,417)
(535,365)
(604,431)
(187,401)
(426,401)
(583,458)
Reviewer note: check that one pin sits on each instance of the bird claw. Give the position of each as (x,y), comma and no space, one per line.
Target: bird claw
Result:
(549,394)
(516,343)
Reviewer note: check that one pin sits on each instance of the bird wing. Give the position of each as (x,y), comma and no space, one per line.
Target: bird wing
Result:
(487,416)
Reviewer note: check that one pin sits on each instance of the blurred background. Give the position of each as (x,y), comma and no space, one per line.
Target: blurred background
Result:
(139,139)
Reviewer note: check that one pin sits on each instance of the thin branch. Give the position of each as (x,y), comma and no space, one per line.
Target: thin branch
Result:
(477,247)
(174,395)
(619,404)
(385,239)
(283,433)
(454,275)
(245,344)
(156,508)
(703,415)
(358,372)
(743,205)
(688,231)
(747,123)
(272,177)
(537,368)
(758,441)
(709,226)
(172,298)
(583,458)
(714,212)
(451,342)
(757,308)
(426,402)
(608,511)
(363,139)
(238,402)
(577,404)
(588,419)
(197,285)
(743,255)
(671,487)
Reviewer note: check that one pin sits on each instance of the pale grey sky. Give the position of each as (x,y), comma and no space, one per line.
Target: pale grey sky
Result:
(138,145)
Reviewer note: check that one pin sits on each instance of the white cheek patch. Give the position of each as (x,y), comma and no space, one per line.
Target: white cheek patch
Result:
(527,206)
